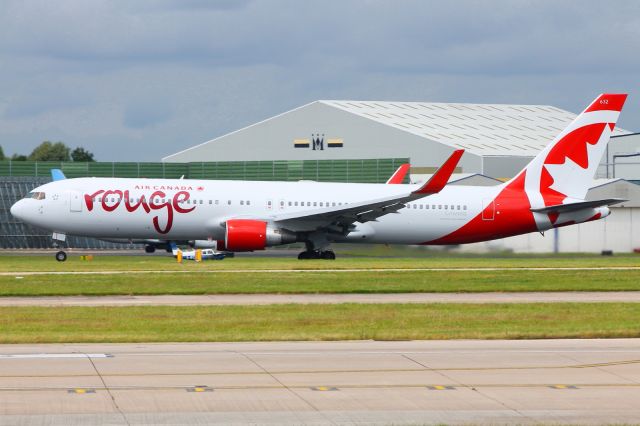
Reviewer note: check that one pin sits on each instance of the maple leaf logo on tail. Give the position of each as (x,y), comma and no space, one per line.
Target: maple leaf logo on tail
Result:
(564,170)
(571,164)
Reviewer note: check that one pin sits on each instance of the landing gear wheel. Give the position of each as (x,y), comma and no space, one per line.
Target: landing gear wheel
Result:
(304,255)
(328,255)
(149,249)
(316,254)
(61,256)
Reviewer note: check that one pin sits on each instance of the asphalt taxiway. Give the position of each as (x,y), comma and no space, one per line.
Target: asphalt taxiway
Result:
(274,299)
(548,381)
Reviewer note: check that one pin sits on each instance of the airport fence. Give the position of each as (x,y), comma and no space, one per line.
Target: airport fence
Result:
(375,170)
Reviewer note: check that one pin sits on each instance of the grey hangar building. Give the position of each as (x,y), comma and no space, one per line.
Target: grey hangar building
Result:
(499,140)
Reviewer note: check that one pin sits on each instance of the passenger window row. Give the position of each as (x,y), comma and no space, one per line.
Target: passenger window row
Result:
(437,206)
(282,203)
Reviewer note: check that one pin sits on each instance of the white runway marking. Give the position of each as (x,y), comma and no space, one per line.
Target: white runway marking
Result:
(277,299)
(350,270)
(46,356)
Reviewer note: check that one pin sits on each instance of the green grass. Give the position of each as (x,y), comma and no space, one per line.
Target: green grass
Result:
(320,282)
(318,322)
(429,259)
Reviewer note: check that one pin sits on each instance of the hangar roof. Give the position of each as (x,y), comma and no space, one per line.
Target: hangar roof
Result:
(482,129)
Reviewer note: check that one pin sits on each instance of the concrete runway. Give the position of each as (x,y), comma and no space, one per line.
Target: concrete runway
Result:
(548,381)
(273,299)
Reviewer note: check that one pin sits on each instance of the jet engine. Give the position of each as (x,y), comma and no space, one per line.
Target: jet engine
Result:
(249,235)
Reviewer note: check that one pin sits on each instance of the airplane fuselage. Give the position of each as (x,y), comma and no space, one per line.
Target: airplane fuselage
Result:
(198,209)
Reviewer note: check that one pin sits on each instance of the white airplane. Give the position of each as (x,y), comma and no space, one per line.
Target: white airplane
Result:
(245,216)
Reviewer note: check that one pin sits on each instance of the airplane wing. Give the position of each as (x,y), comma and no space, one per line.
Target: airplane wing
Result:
(571,207)
(341,218)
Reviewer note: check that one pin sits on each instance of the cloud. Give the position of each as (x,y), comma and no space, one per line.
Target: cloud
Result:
(152,77)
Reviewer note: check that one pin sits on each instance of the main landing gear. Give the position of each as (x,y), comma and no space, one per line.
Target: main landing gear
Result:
(61,256)
(317,254)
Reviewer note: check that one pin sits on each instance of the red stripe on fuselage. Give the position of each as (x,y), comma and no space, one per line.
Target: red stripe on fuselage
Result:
(512,217)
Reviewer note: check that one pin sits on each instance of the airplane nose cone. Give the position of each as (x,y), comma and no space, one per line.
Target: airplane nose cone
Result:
(16,210)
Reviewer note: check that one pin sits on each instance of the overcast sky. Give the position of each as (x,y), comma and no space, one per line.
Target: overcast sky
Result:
(138,80)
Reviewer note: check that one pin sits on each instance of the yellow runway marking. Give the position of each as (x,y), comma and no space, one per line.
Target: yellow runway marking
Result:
(334,388)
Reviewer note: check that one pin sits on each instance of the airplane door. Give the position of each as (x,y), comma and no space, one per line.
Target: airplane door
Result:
(75,201)
(488,209)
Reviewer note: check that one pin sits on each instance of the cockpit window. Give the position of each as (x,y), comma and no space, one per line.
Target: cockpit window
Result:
(35,195)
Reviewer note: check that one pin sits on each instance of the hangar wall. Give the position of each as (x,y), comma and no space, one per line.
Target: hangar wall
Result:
(503,166)
(622,158)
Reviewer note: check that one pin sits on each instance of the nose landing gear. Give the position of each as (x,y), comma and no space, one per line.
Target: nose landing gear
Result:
(59,240)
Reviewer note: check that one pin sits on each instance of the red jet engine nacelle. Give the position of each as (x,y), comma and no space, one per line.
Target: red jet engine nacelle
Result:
(245,235)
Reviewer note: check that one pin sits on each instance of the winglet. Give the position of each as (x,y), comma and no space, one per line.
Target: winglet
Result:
(442,175)
(56,174)
(399,175)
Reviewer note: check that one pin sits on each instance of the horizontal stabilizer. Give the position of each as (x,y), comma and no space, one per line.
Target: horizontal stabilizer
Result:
(572,207)
(441,176)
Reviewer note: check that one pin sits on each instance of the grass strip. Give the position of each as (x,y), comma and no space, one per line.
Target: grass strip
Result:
(318,322)
(320,282)
(10,263)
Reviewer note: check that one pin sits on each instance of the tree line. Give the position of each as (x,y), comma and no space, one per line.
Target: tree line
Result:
(52,151)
